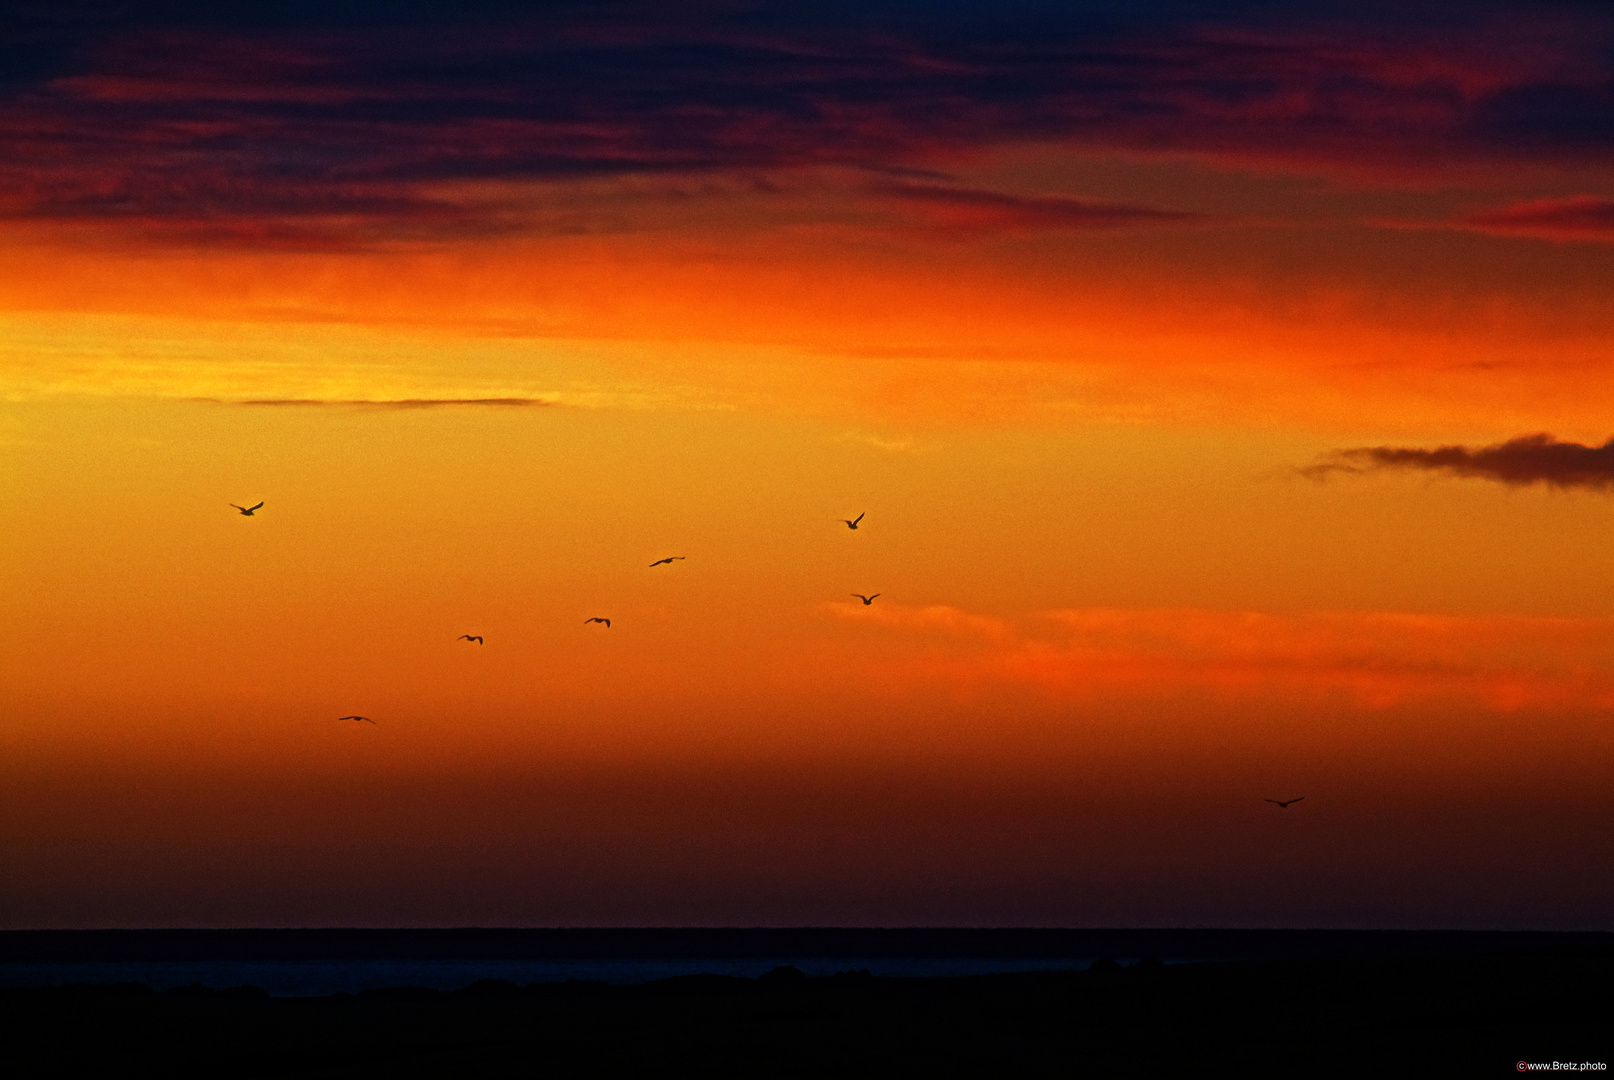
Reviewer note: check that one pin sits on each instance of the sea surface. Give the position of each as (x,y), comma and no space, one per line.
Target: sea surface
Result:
(318,962)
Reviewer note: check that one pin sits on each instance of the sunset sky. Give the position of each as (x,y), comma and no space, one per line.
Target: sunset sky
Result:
(1228,388)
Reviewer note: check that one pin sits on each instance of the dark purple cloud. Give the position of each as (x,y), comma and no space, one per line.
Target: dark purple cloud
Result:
(1528,459)
(297,124)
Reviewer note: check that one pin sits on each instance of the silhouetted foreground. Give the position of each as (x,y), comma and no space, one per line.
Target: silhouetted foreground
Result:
(1340,1017)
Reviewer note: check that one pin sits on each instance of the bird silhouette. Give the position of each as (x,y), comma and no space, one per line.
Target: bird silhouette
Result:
(365,719)
(867,600)
(247,510)
(662,562)
(470,637)
(1282,804)
(607,622)
(853,523)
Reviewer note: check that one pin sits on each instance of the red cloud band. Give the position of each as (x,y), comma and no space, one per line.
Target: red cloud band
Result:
(1581,217)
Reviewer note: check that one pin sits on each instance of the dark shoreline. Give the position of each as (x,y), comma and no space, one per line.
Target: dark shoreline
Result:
(1471,1014)
(1184,944)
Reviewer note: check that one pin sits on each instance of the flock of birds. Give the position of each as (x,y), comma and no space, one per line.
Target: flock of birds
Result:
(850,523)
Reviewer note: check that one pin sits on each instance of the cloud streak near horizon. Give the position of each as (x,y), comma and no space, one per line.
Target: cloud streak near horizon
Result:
(361,124)
(393,403)
(1528,459)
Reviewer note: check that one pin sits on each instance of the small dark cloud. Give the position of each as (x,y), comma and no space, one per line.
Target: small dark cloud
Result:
(1528,459)
(394,403)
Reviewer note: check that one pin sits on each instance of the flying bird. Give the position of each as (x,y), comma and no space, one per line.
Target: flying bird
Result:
(365,719)
(607,622)
(470,637)
(867,600)
(663,562)
(853,523)
(1282,804)
(247,510)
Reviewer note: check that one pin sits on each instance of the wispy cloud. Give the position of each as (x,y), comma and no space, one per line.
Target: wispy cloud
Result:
(1372,659)
(396,403)
(936,618)
(885,443)
(1579,218)
(968,210)
(1528,459)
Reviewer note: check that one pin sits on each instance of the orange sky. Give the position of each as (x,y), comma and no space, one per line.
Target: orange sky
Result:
(1072,381)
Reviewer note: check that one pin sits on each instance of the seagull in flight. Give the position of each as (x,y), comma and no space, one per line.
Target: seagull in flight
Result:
(607,622)
(247,510)
(365,719)
(867,600)
(853,523)
(1282,804)
(663,562)
(470,637)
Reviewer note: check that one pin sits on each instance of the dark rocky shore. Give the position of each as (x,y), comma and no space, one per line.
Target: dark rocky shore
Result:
(1356,1017)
